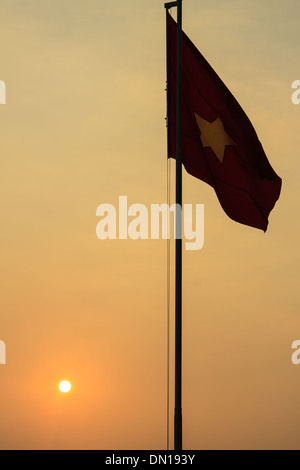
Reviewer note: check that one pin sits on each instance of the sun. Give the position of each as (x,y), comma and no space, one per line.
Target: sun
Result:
(65,386)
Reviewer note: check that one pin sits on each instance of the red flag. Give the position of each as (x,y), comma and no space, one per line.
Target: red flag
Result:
(219,143)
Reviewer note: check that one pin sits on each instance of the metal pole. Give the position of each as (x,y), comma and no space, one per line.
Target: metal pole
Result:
(178,295)
(178,248)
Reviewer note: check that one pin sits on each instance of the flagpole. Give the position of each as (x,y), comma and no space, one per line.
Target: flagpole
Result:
(178,241)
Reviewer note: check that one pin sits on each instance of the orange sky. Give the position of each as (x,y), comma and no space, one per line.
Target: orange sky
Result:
(84,124)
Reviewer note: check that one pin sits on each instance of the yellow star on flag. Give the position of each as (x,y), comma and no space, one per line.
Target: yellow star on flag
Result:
(213,135)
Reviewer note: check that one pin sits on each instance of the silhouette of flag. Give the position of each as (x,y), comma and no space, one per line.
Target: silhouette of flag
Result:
(219,143)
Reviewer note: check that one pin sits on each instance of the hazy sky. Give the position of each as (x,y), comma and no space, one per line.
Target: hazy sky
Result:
(84,124)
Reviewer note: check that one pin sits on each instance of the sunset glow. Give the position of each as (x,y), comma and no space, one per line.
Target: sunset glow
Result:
(85,350)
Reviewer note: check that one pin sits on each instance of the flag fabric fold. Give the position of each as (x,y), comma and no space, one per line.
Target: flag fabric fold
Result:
(219,143)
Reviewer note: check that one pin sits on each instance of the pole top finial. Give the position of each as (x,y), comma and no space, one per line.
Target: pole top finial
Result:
(171,5)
